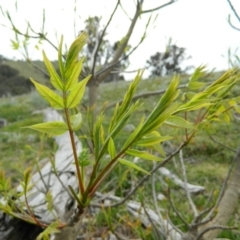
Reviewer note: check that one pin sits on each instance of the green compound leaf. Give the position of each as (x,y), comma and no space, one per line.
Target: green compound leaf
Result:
(76,94)
(132,165)
(54,78)
(50,96)
(51,128)
(76,121)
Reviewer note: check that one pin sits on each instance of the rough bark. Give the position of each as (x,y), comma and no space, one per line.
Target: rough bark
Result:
(92,93)
(228,203)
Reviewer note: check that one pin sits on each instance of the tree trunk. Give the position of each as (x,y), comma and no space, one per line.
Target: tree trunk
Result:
(92,94)
(228,203)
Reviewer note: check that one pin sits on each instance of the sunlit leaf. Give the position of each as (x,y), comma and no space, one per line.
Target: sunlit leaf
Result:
(196,85)
(75,48)
(179,122)
(60,59)
(96,134)
(134,134)
(111,148)
(198,73)
(54,78)
(72,75)
(51,128)
(76,94)
(163,108)
(132,165)
(142,154)
(149,141)
(102,137)
(50,96)
(194,104)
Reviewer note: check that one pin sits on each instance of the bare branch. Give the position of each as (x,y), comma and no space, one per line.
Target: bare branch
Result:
(175,210)
(159,7)
(234,10)
(143,95)
(212,228)
(156,230)
(40,35)
(221,144)
(37,67)
(101,38)
(194,209)
(230,23)
(236,15)
(122,47)
(154,193)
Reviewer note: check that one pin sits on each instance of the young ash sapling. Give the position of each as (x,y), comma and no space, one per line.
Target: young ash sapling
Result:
(213,99)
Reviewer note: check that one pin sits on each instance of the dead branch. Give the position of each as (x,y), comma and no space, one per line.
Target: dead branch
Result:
(97,46)
(159,7)
(212,228)
(194,209)
(122,47)
(175,209)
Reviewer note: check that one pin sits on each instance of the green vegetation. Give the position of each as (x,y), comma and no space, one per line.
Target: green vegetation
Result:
(207,162)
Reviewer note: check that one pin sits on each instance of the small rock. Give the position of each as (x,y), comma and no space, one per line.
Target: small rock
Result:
(3,122)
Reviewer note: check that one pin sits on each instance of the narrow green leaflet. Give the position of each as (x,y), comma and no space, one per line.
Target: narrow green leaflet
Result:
(76,94)
(76,121)
(196,85)
(51,128)
(50,96)
(163,109)
(72,75)
(132,165)
(54,78)
(96,134)
(198,73)
(149,141)
(134,134)
(194,104)
(60,60)
(74,50)
(143,154)
(156,122)
(129,95)
(49,200)
(111,148)
(178,122)
(102,134)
